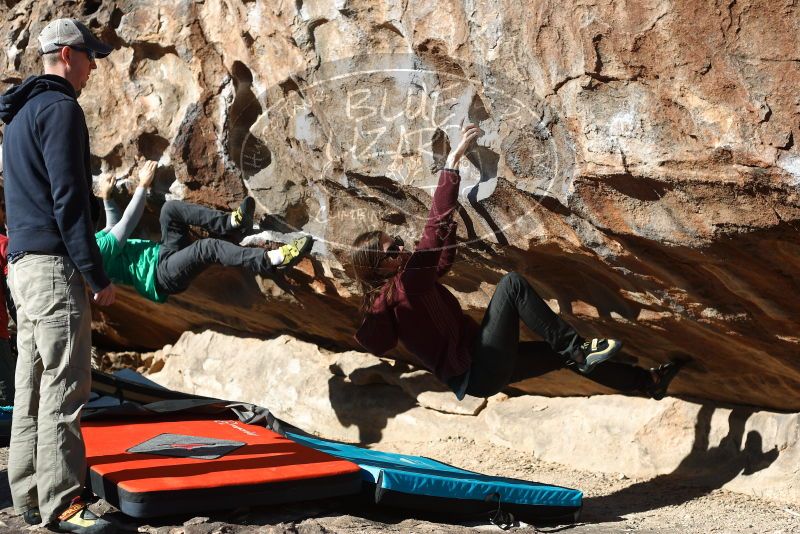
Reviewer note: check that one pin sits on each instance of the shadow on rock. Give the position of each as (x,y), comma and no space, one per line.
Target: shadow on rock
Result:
(369,407)
(704,470)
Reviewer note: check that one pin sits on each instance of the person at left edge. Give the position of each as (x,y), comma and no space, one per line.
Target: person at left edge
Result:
(52,257)
(7,362)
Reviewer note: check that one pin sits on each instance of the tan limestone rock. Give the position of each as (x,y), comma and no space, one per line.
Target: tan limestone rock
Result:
(637,158)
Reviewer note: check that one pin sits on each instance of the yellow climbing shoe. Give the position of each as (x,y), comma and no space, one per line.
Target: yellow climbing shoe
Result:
(294,251)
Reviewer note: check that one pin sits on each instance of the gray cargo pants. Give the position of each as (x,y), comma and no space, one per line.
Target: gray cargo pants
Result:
(47,463)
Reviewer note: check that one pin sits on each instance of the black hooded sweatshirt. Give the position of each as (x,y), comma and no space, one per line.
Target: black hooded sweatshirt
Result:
(46,173)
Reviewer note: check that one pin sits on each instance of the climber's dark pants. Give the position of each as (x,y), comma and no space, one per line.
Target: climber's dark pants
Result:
(180,260)
(498,357)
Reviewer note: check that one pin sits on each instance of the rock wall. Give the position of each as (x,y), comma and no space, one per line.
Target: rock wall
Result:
(638,161)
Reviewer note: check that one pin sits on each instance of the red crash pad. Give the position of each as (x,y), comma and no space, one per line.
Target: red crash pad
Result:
(168,466)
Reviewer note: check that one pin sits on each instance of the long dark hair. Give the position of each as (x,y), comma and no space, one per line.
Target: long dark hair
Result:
(366,257)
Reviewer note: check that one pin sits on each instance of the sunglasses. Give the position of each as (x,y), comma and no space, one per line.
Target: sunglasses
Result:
(91,54)
(394,248)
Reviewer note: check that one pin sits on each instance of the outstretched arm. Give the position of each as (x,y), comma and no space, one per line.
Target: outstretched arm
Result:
(422,268)
(105,187)
(448,255)
(133,213)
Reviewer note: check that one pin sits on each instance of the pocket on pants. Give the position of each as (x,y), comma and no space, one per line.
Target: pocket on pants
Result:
(34,284)
(76,390)
(66,380)
(52,336)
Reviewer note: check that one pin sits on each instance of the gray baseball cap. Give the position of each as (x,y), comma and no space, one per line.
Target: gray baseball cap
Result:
(70,32)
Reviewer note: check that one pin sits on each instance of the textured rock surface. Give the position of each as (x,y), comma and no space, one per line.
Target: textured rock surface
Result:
(698,445)
(639,160)
(309,387)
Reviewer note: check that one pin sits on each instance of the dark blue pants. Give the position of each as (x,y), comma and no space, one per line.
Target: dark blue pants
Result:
(180,260)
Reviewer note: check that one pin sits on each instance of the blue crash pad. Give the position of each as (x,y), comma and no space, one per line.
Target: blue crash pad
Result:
(413,481)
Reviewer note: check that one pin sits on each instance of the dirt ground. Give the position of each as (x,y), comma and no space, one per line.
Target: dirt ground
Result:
(612,504)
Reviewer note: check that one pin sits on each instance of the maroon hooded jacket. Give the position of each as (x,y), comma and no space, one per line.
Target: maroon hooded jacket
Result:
(421,313)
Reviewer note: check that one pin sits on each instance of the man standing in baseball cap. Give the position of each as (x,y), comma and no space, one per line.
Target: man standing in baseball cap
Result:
(52,256)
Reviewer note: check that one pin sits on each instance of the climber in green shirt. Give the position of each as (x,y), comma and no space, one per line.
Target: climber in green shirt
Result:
(159,269)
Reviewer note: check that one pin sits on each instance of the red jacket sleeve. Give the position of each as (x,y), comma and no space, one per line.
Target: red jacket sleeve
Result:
(421,271)
(4,254)
(448,254)
(3,287)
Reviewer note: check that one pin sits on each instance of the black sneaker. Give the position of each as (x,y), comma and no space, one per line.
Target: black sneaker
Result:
(596,352)
(665,373)
(242,217)
(32,516)
(78,518)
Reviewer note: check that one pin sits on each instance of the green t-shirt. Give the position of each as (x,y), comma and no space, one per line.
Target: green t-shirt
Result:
(133,264)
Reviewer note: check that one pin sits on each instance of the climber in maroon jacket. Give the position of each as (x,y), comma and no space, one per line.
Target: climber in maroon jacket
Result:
(404,301)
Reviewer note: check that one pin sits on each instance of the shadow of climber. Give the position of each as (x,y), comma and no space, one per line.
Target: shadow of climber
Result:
(704,470)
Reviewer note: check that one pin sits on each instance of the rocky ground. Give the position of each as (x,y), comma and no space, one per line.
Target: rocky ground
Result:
(613,503)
